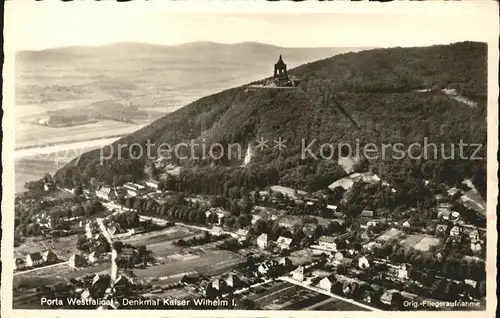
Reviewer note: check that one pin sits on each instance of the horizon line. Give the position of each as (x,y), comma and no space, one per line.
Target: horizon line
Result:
(232,43)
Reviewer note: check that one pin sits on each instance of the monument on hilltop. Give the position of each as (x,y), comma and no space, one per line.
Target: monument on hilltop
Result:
(280,72)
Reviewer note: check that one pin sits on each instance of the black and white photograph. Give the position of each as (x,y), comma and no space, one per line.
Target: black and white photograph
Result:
(263,160)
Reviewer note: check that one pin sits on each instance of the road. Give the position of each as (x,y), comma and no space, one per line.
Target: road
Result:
(321,291)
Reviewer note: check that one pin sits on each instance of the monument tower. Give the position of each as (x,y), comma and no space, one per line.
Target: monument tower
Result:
(280,72)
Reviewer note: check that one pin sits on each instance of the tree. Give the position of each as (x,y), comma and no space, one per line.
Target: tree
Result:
(247,304)
(117,245)
(397,301)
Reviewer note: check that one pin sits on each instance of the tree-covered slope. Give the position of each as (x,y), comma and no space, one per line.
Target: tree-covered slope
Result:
(381,96)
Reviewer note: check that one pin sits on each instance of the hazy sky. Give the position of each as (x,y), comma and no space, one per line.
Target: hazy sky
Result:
(39,28)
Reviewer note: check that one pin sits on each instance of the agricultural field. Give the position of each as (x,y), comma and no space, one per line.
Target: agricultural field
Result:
(426,243)
(409,241)
(63,247)
(169,234)
(389,235)
(300,257)
(207,264)
(279,297)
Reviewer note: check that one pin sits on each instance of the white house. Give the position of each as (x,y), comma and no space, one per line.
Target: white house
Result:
(284,242)
(262,241)
(331,207)
(403,272)
(49,257)
(153,184)
(327,243)
(134,189)
(363,262)
(93,257)
(455,231)
(326,283)
(476,246)
(474,235)
(263,268)
(75,261)
(217,231)
(298,273)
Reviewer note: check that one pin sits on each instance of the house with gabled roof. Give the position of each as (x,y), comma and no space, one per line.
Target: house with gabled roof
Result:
(76,260)
(327,243)
(49,257)
(367,213)
(34,259)
(285,261)
(283,242)
(153,184)
(217,231)
(233,281)
(298,273)
(262,241)
(93,256)
(364,262)
(327,283)
(441,229)
(242,235)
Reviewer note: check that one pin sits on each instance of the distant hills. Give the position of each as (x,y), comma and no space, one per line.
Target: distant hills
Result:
(148,75)
(381,96)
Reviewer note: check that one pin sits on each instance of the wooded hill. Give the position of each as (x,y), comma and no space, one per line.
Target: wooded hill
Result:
(381,96)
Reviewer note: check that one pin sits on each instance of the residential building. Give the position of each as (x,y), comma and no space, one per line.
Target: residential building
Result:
(263,268)
(76,260)
(112,230)
(85,294)
(289,221)
(471,282)
(386,297)
(233,281)
(367,213)
(403,272)
(327,243)
(262,241)
(441,229)
(363,262)
(444,211)
(242,235)
(298,273)
(474,235)
(331,207)
(285,261)
(327,283)
(49,257)
(153,184)
(219,212)
(476,246)
(34,259)
(455,215)
(217,231)
(19,263)
(284,242)
(93,257)
(455,231)
(109,193)
(134,189)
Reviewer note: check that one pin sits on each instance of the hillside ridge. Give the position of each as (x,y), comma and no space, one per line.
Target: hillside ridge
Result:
(377,90)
